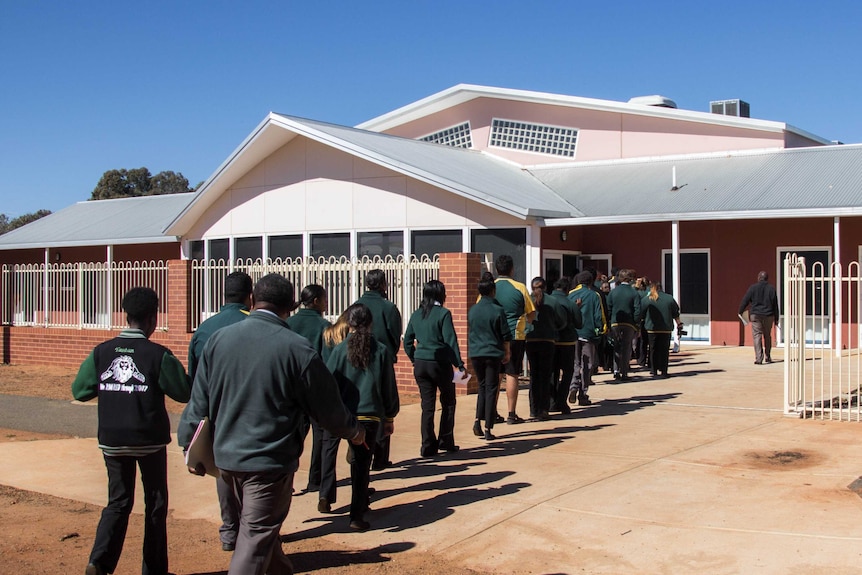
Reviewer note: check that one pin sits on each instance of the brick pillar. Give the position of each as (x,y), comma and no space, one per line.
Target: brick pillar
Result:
(460,273)
(179,296)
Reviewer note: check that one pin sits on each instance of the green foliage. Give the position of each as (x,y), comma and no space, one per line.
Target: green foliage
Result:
(7,225)
(139,182)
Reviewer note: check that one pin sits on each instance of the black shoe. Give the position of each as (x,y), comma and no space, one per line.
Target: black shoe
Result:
(573,396)
(566,410)
(450,448)
(513,419)
(359,525)
(312,487)
(758,362)
(584,400)
(381,466)
(617,375)
(499,418)
(93,569)
(323,505)
(477,429)
(768,360)
(489,436)
(228,546)
(428,452)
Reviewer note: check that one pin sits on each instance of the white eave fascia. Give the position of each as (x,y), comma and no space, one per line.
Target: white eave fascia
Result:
(466,92)
(707,216)
(521,212)
(88,243)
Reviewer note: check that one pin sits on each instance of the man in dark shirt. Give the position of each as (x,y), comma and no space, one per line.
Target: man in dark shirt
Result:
(763,312)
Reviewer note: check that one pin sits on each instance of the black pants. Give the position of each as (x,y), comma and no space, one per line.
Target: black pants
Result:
(540,354)
(111,532)
(360,470)
(431,377)
(659,351)
(488,373)
(380,459)
(314,468)
(564,371)
(328,457)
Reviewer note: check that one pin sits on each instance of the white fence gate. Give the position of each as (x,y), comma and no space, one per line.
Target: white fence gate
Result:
(821,336)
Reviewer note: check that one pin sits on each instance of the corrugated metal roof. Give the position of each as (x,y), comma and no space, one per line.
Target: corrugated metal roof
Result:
(766,183)
(471,173)
(103,222)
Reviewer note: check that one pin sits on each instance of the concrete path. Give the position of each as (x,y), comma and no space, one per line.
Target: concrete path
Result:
(700,473)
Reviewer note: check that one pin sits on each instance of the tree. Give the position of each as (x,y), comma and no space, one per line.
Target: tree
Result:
(7,225)
(139,182)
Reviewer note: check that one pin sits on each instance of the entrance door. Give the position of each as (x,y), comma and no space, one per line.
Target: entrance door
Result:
(818,300)
(557,264)
(694,287)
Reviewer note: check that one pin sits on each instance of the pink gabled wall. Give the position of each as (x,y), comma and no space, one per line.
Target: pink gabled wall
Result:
(601,135)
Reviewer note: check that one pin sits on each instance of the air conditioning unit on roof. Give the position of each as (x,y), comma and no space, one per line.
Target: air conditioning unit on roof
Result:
(737,107)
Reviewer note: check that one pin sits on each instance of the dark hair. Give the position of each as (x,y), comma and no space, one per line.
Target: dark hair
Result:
(486,284)
(538,290)
(563,284)
(375,280)
(275,290)
(360,342)
(504,264)
(434,291)
(762,276)
(310,293)
(140,303)
(585,277)
(237,287)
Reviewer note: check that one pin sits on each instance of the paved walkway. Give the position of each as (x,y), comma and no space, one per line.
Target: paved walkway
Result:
(699,473)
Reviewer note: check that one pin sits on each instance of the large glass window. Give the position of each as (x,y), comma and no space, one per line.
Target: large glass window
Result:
(285,247)
(432,242)
(330,245)
(693,291)
(512,241)
(380,244)
(196,250)
(220,250)
(248,248)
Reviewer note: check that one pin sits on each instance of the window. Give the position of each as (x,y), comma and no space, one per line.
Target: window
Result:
(694,288)
(456,136)
(248,248)
(220,250)
(539,138)
(285,247)
(432,242)
(380,244)
(512,241)
(330,245)
(196,250)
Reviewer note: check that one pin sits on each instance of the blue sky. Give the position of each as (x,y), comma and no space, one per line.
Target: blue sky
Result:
(91,86)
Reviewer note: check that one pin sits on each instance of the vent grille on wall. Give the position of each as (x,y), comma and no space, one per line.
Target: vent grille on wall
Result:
(456,136)
(540,138)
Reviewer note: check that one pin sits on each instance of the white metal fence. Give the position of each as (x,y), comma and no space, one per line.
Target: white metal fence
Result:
(89,295)
(77,295)
(821,336)
(343,279)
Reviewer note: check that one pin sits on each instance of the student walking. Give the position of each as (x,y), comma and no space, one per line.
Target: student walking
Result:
(488,340)
(131,375)
(660,311)
(432,345)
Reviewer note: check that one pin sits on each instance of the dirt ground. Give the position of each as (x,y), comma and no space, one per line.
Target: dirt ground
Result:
(52,536)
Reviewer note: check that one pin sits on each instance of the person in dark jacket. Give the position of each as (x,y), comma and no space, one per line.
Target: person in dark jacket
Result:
(364,371)
(564,347)
(488,338)
(624,310)
(762,302)
(237,303)
(660,311)
(387,326)
(432,345)
(540,344)
(131,375)
(589,336)
(257,381)
(309,322)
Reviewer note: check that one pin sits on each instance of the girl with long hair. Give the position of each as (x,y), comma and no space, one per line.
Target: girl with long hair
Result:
(432,345)
(364,371)
(660,311)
